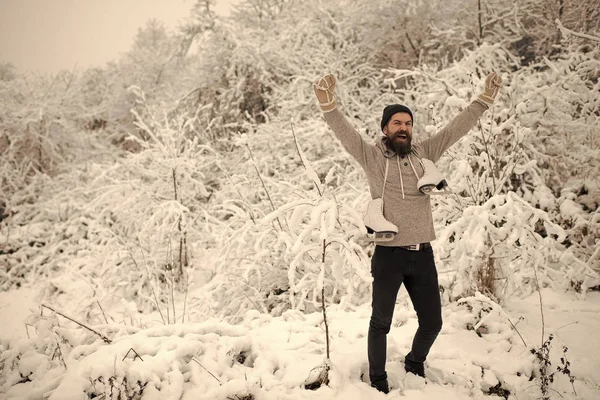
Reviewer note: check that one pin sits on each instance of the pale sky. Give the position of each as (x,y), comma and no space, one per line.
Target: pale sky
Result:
(46,36)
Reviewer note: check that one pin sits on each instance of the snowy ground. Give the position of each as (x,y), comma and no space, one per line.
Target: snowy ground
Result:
(274,358)
(15,306)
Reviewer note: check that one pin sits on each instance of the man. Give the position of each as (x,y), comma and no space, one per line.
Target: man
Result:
(406,258)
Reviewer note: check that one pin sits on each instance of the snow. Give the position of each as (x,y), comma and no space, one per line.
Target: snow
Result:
(455,101)
(194,235)
(274,357)
(15,306)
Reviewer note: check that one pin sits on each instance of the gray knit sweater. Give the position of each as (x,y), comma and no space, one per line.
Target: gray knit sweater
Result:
(404,205)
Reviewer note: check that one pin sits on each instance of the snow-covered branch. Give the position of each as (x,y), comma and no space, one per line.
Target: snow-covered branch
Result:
(568,32)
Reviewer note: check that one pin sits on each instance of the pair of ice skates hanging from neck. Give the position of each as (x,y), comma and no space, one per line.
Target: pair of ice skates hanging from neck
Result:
(379,229)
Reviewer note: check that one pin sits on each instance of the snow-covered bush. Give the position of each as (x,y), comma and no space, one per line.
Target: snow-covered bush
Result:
(247,77)
(496,249)
(280,215)
(65,361)
(131,230)
(38,120)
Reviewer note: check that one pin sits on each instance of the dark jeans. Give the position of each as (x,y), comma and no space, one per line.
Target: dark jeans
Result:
(390,267)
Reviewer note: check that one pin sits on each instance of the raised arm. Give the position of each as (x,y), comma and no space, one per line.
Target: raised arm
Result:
(351,140)
(435,146)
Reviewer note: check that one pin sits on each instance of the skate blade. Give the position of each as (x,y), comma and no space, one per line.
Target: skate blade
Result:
(430,191)
(381,237)
(440,193)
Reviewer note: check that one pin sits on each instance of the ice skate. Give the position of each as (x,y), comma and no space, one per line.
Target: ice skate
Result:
(432,179)
(379,229)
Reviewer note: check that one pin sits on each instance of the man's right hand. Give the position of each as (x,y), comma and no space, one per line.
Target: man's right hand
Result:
(324,90)
(492,86)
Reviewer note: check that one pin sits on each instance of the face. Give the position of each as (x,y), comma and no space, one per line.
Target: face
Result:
(399,132)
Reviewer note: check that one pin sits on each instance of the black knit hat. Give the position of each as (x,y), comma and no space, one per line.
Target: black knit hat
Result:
(393,109)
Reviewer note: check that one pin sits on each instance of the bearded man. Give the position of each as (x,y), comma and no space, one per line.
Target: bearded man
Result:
(405,256)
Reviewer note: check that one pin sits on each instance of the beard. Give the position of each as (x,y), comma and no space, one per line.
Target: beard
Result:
(402,147)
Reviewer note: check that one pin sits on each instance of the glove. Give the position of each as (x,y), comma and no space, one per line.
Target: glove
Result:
(492,86)
(324,88)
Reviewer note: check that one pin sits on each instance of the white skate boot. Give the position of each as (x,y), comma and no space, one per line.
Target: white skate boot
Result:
(432,179)
(379,229)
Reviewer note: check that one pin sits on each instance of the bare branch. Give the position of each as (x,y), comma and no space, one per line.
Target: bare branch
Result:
(107,340)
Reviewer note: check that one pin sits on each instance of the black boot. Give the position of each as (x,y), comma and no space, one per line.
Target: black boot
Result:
(380,383)
(414,367)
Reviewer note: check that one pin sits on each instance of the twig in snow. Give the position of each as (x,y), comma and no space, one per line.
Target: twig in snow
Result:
(251,301)
(323,302)
(516,330)
(136,354)
(197,362)
(106,340)
(104,315)
(263,184)
(302,158)
(412,44)
(325,319)
(537,284)
(187,288)
(479,13)
(487,150)
(171,267)
(248,208)
(60,354)
(514,158)
(148,274)
(570,323)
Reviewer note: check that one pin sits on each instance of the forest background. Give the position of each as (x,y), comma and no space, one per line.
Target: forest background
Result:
(194,177)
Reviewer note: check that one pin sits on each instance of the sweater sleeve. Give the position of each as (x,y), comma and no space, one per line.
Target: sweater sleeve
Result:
(435,146)
(351,140)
